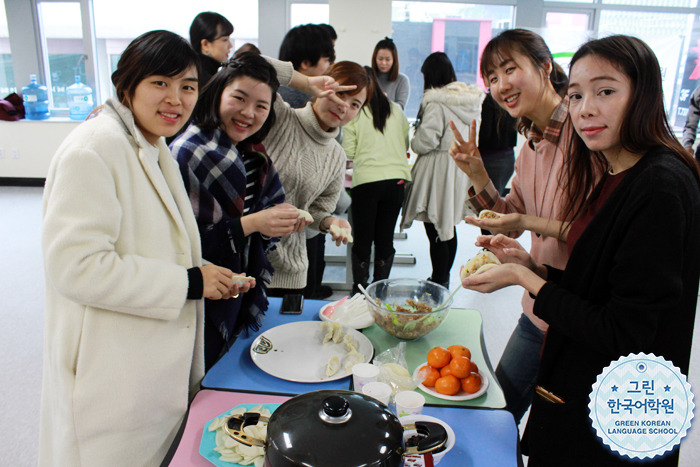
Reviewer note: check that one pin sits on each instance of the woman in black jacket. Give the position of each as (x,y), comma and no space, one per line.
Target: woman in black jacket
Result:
(631,283)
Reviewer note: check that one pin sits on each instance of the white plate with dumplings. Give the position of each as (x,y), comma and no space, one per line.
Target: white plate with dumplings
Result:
(352,312)
(310,351)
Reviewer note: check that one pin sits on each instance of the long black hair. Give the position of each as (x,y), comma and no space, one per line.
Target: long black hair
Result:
(437,71)
(644,127)
(250,64)
(210,26)
(379,104)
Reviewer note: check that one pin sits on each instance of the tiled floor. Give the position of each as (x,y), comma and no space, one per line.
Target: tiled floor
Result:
(21,317)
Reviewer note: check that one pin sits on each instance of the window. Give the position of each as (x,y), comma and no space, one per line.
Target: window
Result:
(564,32)
(659,3)
(62,40)
(668,34)
(461,30)
(116,25)
(7,78)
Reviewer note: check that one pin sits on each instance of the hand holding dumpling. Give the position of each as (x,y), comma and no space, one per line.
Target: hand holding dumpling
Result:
(275,221)
(340,230)
(303,219)
(516,268)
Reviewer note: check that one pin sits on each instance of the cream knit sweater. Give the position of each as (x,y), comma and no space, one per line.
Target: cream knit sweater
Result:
(311,166)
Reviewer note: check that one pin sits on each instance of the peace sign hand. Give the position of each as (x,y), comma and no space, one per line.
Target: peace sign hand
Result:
(326,86)
(468,158)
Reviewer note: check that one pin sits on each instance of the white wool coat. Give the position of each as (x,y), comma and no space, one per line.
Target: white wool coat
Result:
(439,188)
(123,347)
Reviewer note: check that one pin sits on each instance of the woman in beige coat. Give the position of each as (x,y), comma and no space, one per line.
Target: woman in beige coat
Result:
(439,188)
(124,275)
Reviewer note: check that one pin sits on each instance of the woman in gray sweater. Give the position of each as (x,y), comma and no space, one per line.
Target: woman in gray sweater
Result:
(385,63)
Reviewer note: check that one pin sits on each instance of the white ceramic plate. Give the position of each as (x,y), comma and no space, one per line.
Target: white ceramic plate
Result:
(295,352)
(461,395)
(363,322)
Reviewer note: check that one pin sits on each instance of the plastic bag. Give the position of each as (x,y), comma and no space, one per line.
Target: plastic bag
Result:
(393,369)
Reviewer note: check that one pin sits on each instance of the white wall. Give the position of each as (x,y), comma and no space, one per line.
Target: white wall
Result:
(360,24)
(35,142)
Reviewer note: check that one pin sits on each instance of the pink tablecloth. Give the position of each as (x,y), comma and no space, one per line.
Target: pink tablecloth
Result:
(206,405)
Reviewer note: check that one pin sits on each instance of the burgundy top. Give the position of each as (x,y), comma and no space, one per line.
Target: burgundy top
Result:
(610,182)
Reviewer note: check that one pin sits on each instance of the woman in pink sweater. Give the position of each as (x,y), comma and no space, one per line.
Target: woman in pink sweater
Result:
(524,80)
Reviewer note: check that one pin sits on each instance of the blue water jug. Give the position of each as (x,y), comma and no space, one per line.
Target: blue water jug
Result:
(36,100)
(80,102)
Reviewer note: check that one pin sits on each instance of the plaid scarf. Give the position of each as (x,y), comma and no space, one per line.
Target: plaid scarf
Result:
(215,178)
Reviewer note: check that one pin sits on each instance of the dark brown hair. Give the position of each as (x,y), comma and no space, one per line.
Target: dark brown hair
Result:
(153,53)
(387,44)
(250,64)
(534,48)
(644,127)
(378,103)
(348,73)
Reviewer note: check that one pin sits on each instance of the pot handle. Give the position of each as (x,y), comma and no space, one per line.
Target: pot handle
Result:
(435,437)
(234,428)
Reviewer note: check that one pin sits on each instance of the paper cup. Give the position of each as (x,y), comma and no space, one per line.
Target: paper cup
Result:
(363,373)
(378,390)
(409,403)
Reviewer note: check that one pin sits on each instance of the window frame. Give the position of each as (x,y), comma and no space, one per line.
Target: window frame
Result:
(89,50)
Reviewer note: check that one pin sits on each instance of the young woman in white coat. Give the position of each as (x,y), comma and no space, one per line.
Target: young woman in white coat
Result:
(436,196)
(123,350)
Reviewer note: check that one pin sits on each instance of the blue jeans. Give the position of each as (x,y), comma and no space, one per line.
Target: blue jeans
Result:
(520,362)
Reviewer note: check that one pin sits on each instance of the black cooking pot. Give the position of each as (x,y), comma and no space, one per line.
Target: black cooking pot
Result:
(335,428)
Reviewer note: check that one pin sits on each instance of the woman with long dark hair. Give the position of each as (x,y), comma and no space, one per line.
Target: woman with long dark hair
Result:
(439,189)
(376,141)
(525,81)
(210,36)
(631,283)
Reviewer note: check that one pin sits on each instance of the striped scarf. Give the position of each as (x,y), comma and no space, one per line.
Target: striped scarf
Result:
(214,173)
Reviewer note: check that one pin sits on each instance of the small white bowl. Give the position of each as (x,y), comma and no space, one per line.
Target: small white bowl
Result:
(427,418)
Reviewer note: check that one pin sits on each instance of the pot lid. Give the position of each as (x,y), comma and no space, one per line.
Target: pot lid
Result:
(334,427)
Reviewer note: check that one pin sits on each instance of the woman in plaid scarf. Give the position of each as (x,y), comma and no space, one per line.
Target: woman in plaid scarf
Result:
(235,191)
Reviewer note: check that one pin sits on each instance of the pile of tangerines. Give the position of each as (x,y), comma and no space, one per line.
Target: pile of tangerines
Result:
(449,370)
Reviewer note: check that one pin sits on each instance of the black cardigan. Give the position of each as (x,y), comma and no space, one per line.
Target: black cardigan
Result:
(630,286)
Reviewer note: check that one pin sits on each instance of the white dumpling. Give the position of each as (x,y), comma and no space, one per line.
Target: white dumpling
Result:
(351,359)
(337,332)
(349,342)
(332,366)
(327,329)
